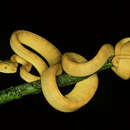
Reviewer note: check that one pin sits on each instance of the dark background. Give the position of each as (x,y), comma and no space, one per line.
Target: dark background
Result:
(71,26)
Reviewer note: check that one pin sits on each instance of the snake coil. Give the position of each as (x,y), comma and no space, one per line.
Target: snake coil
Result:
(72,63)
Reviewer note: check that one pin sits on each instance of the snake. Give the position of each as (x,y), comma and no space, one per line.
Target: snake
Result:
(69,62)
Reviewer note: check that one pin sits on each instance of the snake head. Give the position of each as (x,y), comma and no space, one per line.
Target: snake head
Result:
(8,67)
(121,61)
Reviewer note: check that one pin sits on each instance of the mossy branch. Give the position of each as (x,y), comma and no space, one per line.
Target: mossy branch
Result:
(63,80)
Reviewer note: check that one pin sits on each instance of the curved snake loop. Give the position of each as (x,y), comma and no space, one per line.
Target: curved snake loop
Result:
(72,63)
(40,45)
(74,68)
(121,61)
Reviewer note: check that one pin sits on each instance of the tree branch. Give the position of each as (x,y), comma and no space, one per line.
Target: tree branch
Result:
(63,80)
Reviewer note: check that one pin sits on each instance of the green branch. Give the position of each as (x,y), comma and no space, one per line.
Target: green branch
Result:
(63,80)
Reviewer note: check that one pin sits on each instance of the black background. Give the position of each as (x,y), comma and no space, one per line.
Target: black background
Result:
(71,26)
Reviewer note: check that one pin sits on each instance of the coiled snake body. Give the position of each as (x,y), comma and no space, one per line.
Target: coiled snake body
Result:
(72,63)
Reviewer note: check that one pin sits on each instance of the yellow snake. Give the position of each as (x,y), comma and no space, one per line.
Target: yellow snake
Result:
(72,63)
